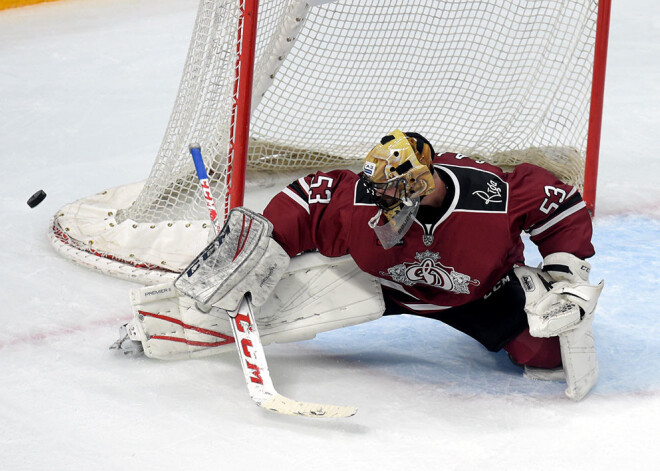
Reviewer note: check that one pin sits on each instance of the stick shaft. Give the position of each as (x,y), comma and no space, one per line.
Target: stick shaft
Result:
(203,177)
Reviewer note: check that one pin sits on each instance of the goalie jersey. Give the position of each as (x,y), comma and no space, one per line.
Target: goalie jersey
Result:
(451,255)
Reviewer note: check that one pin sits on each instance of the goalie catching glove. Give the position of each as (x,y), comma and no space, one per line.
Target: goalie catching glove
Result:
(561,302)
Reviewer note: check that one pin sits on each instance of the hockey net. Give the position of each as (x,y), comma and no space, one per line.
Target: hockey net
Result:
(506,82)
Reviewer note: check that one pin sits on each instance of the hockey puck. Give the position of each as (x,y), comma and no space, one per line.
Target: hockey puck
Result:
(37,198)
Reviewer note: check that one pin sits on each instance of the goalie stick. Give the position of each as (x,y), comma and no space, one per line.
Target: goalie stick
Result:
(248,343)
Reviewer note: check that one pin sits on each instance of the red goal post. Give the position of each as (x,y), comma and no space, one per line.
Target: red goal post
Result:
(242,106)
(286,84)
(596,107)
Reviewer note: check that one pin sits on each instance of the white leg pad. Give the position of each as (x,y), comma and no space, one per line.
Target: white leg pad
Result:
(170,327)
(319,294)
(316,294)
(579,361)
(578,356)
(544,374)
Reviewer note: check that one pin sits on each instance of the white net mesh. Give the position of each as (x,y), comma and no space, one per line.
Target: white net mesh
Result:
(505,81)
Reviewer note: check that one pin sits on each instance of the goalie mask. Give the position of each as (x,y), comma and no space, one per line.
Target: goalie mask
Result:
(397,173)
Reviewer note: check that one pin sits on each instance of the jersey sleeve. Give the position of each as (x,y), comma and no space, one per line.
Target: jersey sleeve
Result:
(551,212)
(313,213)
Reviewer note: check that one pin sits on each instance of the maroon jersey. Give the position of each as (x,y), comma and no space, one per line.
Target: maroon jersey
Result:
(448,260)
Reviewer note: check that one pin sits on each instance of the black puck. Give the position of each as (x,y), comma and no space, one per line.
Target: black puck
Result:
(37,198)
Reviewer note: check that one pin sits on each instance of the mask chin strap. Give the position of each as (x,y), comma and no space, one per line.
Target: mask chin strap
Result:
(374,220)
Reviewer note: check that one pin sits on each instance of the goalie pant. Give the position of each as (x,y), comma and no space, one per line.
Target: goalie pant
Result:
(497,321)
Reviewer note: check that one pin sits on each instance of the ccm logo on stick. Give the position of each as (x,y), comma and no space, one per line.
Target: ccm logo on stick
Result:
(242,323)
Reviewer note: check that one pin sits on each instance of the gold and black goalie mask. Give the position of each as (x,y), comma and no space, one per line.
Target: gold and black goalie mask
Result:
(397,173)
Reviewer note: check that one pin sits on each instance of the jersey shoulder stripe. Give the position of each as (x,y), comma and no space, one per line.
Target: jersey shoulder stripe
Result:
(566,209)
(297,198)
(298,191)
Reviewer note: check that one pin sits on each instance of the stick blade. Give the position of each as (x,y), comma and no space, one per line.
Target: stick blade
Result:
(257,377)
(284,405)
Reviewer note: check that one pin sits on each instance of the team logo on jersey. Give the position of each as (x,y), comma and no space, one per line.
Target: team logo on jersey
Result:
(429,271)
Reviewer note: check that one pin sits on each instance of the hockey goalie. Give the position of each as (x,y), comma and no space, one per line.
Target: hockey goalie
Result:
(437,236)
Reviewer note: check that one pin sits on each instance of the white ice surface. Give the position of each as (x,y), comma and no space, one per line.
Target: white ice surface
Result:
(86,88)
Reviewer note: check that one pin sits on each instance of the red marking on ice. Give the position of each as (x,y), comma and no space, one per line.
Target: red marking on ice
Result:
(33,338)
